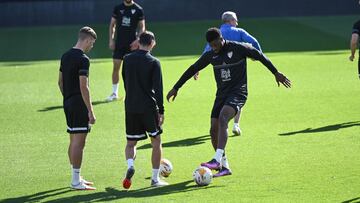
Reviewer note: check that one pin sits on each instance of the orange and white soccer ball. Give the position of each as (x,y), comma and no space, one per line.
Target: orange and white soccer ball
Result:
(202,176)
(165,167)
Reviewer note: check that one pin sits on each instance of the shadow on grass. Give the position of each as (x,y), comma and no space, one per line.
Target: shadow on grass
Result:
(324,129)
(184,143)
(38,196)
(51,108)
(110,194)
(352,200)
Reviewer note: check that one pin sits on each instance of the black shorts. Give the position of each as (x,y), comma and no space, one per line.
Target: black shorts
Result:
(140,125)
(121,51)
(235,101)
(76,115)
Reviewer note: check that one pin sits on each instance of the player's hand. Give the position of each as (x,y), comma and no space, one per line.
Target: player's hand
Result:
(351,57)
(172,93)
(134,45)
(112,45)
(92,118)
(161,119)
(280,78)
(196,76)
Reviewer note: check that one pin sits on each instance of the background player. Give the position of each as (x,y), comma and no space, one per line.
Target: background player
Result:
(74,86)
(354,43)
(144,109)
(127,23)
(229,62)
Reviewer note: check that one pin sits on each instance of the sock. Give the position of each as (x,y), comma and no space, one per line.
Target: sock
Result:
(224,162)
(236,124)
(75,176)
(218,155)
(115,88)
(130,163)
(155,175)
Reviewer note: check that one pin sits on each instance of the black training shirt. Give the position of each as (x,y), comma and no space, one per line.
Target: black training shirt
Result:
(74,63)
(229,66)
(143,82)
(127,20)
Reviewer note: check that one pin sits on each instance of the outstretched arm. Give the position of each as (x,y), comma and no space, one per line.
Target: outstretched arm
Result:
(200,64)
(353,45)
(255,54)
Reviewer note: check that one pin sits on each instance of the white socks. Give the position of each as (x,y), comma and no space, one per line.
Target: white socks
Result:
(115,88)
(130,163)
(236,124)
(75,176)
(224,162)
(155,175)
(218,155)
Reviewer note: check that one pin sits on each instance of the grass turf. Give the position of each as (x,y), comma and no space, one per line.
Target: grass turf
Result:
(298,145)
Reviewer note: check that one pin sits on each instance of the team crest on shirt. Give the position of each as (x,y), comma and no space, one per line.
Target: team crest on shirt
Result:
(230,54)
(133,11)
(122,11)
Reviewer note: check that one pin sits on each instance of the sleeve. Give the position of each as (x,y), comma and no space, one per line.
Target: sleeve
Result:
(246,37)
(60,69)
(158,86)
(123,71)
(200,64)
(84,67)
(356,28)
(115,13)
(251,52)
(141,15)
(207,48)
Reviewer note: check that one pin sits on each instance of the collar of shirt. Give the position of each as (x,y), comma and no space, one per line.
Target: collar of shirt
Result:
(225,26)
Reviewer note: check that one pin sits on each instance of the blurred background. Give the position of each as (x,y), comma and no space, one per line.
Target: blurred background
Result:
(44,29)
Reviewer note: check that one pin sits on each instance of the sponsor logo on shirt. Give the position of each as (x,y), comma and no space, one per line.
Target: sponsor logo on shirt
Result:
(126,21)
(225,75)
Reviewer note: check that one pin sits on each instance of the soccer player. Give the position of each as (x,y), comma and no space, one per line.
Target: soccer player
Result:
(229,63)
(127,23)
(74,86)
(354,43)
(230,32)
(144,109)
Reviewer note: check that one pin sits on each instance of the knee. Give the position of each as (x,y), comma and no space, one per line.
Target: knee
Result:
(213,130)
(223,120)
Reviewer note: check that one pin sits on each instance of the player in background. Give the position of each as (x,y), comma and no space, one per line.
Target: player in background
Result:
(354,43)
(230,32)
(144,109)
(127,23)
(229,64)
(74,86)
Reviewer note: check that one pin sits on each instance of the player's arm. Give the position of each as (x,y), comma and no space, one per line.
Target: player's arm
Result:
(259,56)
(85,90)
(353,45)
(207,48)
(158,89)
(246,37)
(200,64)
(60,83)
(112,27)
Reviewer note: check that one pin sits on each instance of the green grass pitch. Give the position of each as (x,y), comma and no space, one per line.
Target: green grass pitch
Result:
(298,145)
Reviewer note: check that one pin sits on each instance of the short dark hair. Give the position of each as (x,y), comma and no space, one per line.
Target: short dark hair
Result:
(86,32)
(213,34)
(146,38)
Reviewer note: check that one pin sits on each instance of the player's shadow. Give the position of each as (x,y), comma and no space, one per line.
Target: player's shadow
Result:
(352,200)
(51,108)
(38,196)
(324,129)
(184,143)
(181,143)
(113,194)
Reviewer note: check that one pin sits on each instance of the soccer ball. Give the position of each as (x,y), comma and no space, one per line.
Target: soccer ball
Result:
(202,176)
(165,167)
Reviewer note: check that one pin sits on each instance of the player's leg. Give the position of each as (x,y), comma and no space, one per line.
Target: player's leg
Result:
(359,65)
(214,132)
(130,153)
(236,129)
(151,123)
(115,80)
